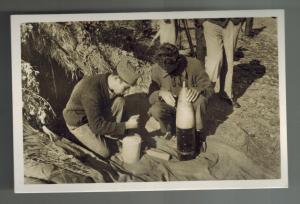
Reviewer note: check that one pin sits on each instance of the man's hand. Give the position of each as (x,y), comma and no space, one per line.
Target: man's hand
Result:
(192,95)
(133,122)
(167,97)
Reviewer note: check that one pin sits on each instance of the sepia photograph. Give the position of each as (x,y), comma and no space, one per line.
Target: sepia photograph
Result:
(149,101)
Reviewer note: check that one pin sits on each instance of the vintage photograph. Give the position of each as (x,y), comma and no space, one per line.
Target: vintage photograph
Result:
(149,101)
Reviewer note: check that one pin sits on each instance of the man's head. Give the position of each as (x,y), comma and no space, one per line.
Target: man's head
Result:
(169,59)
(123,78)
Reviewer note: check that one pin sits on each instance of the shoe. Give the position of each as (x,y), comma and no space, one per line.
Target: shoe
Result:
(201,144)
(235,104)
(231,102)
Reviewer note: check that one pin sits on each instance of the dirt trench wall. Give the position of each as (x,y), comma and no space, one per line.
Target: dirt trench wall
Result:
(63,53)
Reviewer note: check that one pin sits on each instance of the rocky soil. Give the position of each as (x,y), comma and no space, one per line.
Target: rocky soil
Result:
(254,128)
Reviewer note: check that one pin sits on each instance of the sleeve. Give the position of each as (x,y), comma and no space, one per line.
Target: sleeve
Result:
(154,86)
(96,120)
(201,81)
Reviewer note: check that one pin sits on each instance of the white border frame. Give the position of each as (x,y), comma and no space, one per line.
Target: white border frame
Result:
(20,187)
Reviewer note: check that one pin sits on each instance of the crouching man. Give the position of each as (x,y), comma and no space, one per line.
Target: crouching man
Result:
(168,74)
(96,105)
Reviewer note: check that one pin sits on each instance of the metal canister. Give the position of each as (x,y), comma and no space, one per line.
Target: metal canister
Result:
(185,126)
(186,143)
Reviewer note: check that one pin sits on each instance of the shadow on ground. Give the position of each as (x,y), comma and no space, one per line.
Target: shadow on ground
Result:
(138,104)
(217,112)
(255,31)
(244,75)
(239,53)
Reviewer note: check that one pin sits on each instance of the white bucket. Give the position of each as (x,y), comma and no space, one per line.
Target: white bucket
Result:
(131,149)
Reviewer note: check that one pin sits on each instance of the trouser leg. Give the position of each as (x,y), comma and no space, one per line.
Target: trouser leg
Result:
(200,110)
(230,35)
(200,106)
(98,143)
(95,143)
(214,48)
(164,114)
(223,71)
(116,112)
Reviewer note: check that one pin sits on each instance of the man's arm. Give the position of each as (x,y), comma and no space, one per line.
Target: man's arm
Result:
(96,120)
(155,85)
(200,79)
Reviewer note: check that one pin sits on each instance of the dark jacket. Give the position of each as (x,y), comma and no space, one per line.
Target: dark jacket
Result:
(89,103)
(194,74)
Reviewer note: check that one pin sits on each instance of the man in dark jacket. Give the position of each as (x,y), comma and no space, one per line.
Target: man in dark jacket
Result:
(221,37)
(96,105)
(168,74)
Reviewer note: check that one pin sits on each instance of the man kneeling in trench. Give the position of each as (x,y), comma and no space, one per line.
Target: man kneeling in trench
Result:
(168,74)
(95,108)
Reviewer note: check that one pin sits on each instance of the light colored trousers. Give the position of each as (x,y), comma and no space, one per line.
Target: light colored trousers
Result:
(98,143)
(167,32)
(217,39)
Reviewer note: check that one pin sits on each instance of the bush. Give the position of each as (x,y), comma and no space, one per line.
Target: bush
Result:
(36,110)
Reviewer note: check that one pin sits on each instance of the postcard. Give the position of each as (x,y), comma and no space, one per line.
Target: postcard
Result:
(149,101)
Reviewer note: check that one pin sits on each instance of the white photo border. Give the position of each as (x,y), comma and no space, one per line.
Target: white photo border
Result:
(20,187)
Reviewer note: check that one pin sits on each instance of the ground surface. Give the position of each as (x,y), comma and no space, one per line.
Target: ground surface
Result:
(253,129)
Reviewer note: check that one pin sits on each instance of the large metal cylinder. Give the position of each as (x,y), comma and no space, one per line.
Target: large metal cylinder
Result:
(185,126)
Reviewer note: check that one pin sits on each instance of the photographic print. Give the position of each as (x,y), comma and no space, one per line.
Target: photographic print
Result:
(149,101)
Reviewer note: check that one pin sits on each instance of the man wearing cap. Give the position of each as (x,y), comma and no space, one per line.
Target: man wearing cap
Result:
(96,105)
(168,75)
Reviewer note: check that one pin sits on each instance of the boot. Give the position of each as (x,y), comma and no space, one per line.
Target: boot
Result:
(201,145)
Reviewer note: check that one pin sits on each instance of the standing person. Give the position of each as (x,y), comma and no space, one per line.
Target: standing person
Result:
(200,41)
(168,75)
(248,27)
(95,108)
(167,32)
(221,38)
